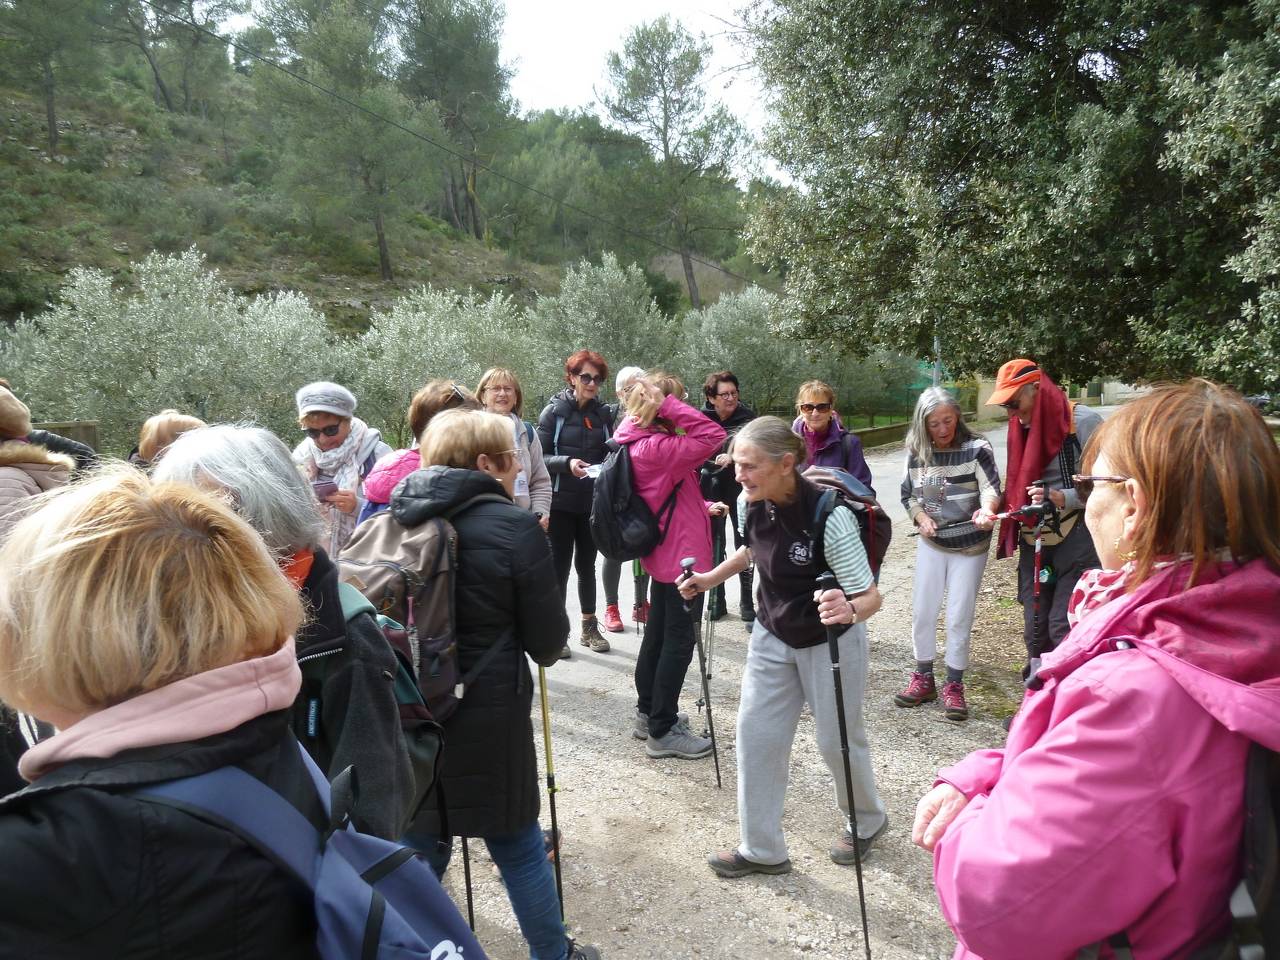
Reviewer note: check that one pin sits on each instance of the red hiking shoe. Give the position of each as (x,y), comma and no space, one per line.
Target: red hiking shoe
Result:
(921,689)
(953,701)
(640,613)
(612,618)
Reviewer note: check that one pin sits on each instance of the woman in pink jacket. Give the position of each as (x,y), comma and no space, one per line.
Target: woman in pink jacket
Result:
(1113,816)
(669,440)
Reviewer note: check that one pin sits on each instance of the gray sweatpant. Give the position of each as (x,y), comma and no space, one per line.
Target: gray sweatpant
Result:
(776,684)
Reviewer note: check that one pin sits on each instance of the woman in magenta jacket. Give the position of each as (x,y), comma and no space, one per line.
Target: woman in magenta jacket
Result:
(668,441)
(1114,812)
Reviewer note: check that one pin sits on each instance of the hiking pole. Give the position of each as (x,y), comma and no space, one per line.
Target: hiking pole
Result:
(551,785)
(827,581)
(637,572)
(466,879)
(710,728)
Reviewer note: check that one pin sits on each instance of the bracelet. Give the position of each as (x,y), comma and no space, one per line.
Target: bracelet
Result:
(853,611)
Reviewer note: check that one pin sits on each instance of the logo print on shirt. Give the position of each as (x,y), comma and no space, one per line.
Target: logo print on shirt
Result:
(799,554)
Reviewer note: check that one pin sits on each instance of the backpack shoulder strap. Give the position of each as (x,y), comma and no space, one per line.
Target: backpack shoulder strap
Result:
(822,510)
(555,437)
(528,431)
(369,461)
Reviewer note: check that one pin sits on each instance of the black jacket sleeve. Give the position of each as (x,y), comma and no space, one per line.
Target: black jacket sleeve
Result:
(542,626)
(362,724)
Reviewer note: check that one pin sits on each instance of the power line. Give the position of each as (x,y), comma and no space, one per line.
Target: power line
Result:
(254,54)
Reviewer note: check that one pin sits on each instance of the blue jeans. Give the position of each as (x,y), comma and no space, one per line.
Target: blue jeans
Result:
(521,858)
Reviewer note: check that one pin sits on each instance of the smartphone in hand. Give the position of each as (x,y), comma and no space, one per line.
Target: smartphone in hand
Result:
(323,489)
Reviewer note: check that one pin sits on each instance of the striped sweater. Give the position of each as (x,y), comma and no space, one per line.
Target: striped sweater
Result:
(949,489)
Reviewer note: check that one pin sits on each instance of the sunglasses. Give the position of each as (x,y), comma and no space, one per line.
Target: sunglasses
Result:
(1084,482)
(590,378)
(330,431)
(811,407)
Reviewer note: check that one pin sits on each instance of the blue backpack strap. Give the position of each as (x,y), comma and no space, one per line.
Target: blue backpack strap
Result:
(253,810)
(823,509)
(528,431)
(555,438)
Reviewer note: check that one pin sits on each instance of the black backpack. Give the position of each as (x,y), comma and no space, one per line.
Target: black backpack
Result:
(622,525)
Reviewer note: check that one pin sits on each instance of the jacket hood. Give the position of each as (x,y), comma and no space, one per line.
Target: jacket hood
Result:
(742,414)
(389,471)
(1217,640)
(436,490)
(209,703)
(20,453)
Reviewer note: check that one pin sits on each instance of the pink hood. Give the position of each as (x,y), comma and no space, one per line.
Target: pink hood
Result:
(201,706)
(660,460)
(1117,803)
(389,471)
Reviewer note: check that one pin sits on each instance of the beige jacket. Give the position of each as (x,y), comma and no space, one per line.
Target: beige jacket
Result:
(27,469)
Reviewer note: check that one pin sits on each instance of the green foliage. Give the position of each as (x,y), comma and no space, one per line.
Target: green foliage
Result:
(1082,183)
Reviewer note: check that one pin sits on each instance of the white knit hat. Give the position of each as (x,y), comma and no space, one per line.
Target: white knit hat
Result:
(625,376)
(325,397)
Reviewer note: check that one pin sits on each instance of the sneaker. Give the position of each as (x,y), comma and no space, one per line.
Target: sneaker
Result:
(640,613)
(842,850)
(582,951)
(640,729)
(678,742)
(921,689)
(592,638)
(565,652)
(730,864)
(953,701)
(612,618)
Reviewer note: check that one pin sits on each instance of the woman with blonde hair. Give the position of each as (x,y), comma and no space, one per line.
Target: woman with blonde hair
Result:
(828,443)
(150,625)
(508,606)
(499,391)
(158,432)
(1119,798)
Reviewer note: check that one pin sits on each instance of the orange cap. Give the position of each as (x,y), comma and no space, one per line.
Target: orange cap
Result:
(1013,376)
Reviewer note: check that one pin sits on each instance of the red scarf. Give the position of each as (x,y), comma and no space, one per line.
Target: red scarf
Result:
(298,567)
(1030,452)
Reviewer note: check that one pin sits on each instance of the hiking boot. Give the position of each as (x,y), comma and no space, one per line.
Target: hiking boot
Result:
(612,618)
(678,742)
(640,613)
(953,701)
(921,689)
(582,951)
(842,850)
(565,652)
(730,864)
(592,638)
(640,729)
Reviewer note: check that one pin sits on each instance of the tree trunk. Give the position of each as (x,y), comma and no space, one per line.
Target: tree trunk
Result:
(384,255)
(695,298)
(473,206)
(155,72)
(50,114)
(451,202)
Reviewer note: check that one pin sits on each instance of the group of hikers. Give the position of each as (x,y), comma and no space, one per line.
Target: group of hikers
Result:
(221,599)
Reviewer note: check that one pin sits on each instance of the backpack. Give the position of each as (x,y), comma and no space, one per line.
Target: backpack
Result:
(874,525)
(374,899)
(408,574)
(422,735)
(622,525)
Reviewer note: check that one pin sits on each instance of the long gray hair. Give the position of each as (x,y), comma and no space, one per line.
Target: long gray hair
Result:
(918,443)
(257,470)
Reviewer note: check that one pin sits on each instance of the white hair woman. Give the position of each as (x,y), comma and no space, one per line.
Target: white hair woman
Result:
(151,626)
(788,663)
(346,713)
(950,490)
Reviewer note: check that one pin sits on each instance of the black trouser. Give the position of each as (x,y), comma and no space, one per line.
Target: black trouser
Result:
(611,575)
(1065,562)
(571,543)
(719,549)
(665,654)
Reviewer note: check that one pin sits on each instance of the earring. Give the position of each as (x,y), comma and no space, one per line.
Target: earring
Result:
(1125,555)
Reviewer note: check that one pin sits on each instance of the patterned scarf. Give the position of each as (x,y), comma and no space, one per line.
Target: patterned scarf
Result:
(341,465)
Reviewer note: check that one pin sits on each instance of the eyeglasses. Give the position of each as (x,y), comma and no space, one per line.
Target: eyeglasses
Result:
(731,395)
(500,388)
(330,431)
(590,378)
(811,407)
(1084,483)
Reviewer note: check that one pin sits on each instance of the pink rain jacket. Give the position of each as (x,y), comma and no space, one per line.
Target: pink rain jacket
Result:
(660,460)
(388,471)
(1116,804)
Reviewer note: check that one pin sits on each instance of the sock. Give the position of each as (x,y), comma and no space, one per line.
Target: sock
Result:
(954,675)
(924,666)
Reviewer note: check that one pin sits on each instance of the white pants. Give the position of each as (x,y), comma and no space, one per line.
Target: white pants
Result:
(957,575)
(777,682)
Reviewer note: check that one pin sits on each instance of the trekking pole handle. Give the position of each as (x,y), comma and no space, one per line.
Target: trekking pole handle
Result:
(686,564)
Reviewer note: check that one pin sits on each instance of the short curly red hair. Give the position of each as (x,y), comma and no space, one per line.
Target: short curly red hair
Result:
(573,366)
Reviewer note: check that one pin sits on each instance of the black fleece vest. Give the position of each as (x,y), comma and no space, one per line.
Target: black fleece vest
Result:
(788,560)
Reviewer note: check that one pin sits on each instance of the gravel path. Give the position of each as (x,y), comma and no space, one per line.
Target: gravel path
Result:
(637,831)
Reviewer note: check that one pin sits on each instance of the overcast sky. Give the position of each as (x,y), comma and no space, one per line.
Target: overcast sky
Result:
(558,48)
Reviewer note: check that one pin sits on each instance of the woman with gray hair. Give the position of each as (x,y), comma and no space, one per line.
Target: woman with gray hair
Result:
(950,490)
(345,713)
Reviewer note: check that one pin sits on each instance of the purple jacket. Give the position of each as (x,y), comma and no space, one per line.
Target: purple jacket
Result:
(1116,804)
(832,447)
(659,461)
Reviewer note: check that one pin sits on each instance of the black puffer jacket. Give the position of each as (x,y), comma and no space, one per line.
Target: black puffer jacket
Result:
(718,483)
(349,671)
(583,432)
(506,594)
(91,872)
